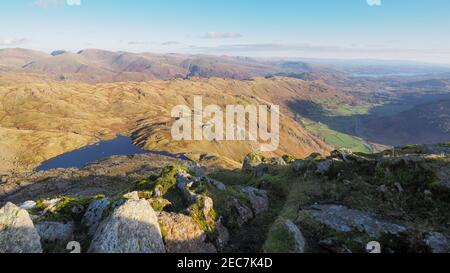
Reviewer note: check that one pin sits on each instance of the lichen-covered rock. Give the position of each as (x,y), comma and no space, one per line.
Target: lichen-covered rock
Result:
(183,235)
(299,239)
(251,161)
(94,213)
(438,242)
(131,195)
(132,228)
(243,214)
(258,199)
(278,161)
(17,232)
(343,219)
(55,232)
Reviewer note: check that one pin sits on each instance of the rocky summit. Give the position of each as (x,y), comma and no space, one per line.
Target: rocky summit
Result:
(334,203)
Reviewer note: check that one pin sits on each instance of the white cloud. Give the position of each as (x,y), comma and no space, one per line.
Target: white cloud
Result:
(218,35)
(13,42)
(374,3)
(56,3)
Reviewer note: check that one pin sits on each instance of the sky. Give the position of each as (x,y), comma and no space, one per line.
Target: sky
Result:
(344,29)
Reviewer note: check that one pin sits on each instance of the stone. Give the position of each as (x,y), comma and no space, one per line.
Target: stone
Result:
(343,219)
(132,228)
(323,167)
(223,236)
(243,213)
(251,161)
(278,161)
(17,231)
(399,187)
(4,179)
(299,165)
(28,205)
(55,232)
(183,235)
(438,242)
(132,195)
(299,239)
(94,214)
(258,199)
(260,170)
(219,185)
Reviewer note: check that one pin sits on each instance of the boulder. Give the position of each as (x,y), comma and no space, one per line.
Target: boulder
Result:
(299,165)
(94,214)
(17,232)
(278,161)
(131,195)
(258,199)
(324,166)
(343,219)
(438,242)
(223,236)
(183,235)
(243,213)
(299,239)
(55,232)
(260,170)
(219,185)
(132,228)
(251,161)
(28,205)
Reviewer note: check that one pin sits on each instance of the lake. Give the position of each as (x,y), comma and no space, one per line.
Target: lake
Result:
(121,145)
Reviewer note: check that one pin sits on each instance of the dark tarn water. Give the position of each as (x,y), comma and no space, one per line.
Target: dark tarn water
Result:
(121,145)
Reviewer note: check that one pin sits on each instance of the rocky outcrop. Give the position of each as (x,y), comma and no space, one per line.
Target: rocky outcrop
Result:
(323,167)
(297,235)
(131,228)
(343,219)
(242,213)
(251,161)
(17,232)
(258,199)
(94,213)
(55,232)
(438,242)
(183,235)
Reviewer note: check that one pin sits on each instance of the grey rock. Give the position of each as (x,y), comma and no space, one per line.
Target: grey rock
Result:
(438,242)
(278,161)
(94,213)
(251,161)
(258,199)
(324,166)
(343,219)
(299,165)
(219,185)
(243,213)
(131,228)
(183,235)
(223,236)
(132,195)
(28,205)
(299,239)
(17,232)
(260,170)
(55,232)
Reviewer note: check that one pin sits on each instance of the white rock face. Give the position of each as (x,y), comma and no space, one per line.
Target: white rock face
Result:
(55,232)
(93,214)
(132,228)
(299,239)
(17,232)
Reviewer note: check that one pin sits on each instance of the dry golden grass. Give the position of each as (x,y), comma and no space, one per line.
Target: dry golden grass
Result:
(41,118)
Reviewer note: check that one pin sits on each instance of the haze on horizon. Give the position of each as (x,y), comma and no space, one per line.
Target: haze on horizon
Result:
(412,30)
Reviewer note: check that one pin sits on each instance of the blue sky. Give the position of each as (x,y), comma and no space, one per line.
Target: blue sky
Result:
(376,29)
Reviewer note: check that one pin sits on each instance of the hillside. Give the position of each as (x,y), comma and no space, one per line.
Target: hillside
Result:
(41,120)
